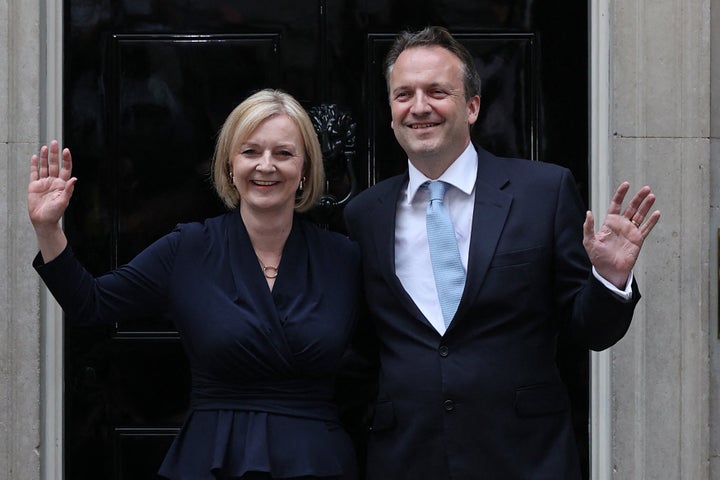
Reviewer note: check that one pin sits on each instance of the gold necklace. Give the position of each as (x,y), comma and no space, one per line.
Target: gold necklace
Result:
(269,271)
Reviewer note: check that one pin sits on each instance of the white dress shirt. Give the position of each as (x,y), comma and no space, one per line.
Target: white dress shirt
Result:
(412,254)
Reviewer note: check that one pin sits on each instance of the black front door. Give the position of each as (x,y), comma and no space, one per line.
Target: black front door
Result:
(147,86)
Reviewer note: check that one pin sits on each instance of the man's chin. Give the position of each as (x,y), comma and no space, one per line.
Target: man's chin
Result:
(424,150)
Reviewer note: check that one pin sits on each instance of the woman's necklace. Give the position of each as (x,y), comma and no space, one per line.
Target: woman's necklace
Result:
(269,271)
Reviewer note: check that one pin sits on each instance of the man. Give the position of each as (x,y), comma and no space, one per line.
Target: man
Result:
(469,389)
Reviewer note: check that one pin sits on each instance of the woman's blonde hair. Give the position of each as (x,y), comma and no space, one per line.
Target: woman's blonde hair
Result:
(238,127)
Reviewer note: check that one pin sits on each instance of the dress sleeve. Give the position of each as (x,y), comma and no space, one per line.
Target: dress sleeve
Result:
(138,288)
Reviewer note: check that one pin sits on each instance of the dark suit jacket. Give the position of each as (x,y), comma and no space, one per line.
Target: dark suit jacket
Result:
(485,401)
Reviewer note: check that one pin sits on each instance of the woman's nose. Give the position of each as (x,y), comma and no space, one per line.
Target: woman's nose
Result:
(266,163)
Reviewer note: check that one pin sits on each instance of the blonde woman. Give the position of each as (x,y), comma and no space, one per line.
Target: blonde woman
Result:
(263,300)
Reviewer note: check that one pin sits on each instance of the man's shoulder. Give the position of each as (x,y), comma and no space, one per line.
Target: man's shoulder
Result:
(519,169)
(386,190)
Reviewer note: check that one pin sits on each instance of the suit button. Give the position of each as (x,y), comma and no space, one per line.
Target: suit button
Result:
(444,350)
(448,405)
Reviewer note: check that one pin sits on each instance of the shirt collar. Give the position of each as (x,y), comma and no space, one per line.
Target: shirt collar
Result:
(460,174)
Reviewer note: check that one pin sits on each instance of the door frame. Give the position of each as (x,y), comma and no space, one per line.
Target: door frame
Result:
(51,315)
(600,155)
(51,353)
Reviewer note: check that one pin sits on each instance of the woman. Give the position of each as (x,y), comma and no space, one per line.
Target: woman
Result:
(263,300)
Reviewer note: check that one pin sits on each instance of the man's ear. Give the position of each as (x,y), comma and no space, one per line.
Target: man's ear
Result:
(473,109)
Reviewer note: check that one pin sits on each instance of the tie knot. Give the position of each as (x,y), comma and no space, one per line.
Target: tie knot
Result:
(437,190)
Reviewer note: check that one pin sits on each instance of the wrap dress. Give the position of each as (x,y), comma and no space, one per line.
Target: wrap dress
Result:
(263,362)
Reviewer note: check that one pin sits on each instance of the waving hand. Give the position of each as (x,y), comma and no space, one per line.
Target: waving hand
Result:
(615,247)
(49,191)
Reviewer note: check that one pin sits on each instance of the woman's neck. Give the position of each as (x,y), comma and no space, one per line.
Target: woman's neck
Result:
(267,231)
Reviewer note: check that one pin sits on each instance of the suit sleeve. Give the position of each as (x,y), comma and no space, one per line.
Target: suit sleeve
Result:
(594,316)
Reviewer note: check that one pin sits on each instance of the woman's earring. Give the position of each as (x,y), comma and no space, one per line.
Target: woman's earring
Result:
(232,178)
(302,184)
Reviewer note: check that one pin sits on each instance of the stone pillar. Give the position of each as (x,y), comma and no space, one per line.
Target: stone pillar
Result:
(659,123)
(20,72)
(714,239)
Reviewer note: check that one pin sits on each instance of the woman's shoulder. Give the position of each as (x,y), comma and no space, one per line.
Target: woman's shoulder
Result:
(210,224)
(330,241)
(202,235)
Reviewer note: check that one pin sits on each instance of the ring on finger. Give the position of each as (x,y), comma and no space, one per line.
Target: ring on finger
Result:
(634,222)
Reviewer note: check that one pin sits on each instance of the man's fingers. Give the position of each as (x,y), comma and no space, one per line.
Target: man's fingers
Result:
(640,206)
(617,198)
(645,206)
(588,226)
(647,227)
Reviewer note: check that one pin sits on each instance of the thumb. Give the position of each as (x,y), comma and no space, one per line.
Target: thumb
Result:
(70,187)
(588,226)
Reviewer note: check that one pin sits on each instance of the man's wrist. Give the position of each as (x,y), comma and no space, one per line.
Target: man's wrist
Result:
(625,294)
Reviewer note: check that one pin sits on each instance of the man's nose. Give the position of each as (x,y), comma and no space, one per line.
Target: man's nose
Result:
(420,105)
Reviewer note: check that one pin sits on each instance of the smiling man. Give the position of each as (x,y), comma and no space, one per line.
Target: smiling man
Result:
(431,111)
(467,321)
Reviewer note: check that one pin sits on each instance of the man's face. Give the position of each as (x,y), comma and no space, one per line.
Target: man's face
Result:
(430,116)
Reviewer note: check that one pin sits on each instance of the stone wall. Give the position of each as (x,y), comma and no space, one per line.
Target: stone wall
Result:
(660,128)
(714,236)
(21,63)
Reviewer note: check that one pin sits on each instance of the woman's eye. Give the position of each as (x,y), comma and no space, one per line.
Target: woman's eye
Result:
(248,151)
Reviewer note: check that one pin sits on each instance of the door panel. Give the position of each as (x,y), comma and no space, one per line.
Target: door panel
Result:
(164,108)
(147,87)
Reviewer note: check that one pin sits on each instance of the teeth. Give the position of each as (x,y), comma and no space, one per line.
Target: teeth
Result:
(422,125)
(263,183)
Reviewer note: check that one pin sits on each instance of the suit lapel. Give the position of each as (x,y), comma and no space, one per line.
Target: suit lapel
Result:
(384,242)
(492,206)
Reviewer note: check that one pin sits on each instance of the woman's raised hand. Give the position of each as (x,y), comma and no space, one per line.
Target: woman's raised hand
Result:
(49,191)
(50,188)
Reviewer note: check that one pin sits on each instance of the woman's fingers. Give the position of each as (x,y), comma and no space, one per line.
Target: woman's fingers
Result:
(51,163)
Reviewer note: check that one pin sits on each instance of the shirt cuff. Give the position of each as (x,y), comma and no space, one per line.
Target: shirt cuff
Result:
(624,295)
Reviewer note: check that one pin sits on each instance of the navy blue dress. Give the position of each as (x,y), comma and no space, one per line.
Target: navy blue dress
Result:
(263,362)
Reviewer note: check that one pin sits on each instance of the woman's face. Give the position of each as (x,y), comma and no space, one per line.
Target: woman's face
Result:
(268,165)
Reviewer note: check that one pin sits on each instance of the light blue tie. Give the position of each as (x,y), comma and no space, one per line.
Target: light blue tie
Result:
(447,266)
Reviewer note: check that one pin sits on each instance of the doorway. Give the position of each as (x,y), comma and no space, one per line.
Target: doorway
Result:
(147,85)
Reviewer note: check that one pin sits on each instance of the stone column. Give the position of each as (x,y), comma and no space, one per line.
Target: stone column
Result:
(714,239)
(20,73)
(660,136)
